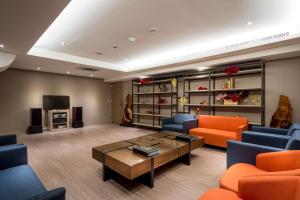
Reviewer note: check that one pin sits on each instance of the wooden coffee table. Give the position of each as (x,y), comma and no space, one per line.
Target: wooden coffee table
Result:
(118,158)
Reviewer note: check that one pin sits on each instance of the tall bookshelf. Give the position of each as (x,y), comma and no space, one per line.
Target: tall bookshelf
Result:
(251,78)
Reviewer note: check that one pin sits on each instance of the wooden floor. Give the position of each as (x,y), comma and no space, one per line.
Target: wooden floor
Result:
(64,159)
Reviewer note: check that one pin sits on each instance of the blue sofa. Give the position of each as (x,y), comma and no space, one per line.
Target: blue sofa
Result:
(8,139)
(277,131)
(254,143)
(17,179)
(179,123)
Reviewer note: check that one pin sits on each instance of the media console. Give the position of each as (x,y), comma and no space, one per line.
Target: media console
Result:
(58,119)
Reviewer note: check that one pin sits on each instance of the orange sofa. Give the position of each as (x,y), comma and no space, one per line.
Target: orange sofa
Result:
(216,130)
(276,176)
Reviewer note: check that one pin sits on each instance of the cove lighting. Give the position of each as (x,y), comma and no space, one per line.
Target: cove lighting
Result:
(78,13)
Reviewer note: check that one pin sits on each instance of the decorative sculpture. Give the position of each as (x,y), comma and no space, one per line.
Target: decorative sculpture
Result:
(127,117)
(282,118)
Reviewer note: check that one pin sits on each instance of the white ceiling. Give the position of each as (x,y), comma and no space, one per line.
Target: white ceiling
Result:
(188,30)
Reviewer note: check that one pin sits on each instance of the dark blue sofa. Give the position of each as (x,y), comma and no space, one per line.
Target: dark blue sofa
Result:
(17,179)
(179,123)
(276,131)
(254,143)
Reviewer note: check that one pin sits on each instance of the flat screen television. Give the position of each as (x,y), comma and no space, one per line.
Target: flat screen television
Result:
(53,102)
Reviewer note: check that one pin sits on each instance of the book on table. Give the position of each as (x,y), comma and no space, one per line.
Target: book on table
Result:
(146,150)
(187,138)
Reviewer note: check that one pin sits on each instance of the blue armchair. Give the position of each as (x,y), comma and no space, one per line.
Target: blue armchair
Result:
(254,143)
(277,131)
(18,180)
(8,140)
(179,123)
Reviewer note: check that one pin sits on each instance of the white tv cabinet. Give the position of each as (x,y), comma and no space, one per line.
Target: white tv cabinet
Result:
(58,120)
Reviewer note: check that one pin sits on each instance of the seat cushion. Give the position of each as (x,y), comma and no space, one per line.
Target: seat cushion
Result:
(231,177)
(173,127)
(219,194)
(180,118)
(214,136)
(19,183)
(294,127)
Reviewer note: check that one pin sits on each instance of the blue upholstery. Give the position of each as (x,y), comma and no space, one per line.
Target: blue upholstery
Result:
(179,123)
(294,127)
(180,118)
(278,131)
(294,141)
(18,181)
(8,139)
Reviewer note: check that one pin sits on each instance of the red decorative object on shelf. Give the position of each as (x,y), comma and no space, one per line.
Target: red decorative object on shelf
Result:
(202,88)
(144,81)
(162,101)
(231,70)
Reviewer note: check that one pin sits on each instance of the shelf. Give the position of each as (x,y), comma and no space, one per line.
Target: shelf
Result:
(244,72)
(197,91)
(194,105)
(152,93)
(154,82)
(155,115)
(150,104)
(235,89)
(237,106)
(199,77)
(60,123)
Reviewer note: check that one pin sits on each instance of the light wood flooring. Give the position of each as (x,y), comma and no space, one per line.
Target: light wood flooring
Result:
(64,158)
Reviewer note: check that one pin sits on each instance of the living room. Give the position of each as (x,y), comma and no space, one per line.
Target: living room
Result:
(149,99)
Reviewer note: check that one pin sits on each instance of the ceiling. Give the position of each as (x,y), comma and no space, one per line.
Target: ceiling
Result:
(61,36)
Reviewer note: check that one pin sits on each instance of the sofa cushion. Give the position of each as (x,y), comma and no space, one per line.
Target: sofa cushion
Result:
(231,177)
(294,141)
(180,118)
(294,127)
(173,127)
(218,193)
(225,123)
(214,136)
(19,183)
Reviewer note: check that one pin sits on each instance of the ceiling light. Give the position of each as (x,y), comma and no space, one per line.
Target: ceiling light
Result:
(68,72)
(62,44)
(38,68)
(131,39)
(2,46)
(99,53)
(92,75)
(153,29)
(115,47)
(249,23)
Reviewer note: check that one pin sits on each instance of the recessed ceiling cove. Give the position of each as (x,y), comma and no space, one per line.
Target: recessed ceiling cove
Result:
(186,30)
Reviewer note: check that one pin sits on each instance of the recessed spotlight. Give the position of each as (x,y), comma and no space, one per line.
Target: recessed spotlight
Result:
(38,68)
(91,75)
(2,46)
(68,72)
(249,23)
(153,29)
(62,43)
(131,39)
(99,53)
(115,47)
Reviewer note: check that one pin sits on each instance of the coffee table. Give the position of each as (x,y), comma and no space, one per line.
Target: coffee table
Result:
(119,159)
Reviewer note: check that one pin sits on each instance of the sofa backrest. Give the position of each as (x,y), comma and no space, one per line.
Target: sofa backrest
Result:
(226,123)
(180,118)
(294,127)
(294,141)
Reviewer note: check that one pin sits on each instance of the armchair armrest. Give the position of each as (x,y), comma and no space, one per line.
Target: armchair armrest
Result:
(8,139)
(278,131)
(13,155)
(242,152)
(240,130)
(279,161)
(189,124)
(269,187)
(55,194)
(278,141)
(167,120)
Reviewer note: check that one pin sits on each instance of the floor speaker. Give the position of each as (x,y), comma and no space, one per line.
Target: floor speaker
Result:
(77,117)
(35,121)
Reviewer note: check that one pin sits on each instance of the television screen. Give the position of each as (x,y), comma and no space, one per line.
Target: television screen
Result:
(51,102)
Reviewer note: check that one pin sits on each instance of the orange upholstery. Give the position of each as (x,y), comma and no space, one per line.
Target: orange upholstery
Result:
(216,130)
(279,161)
(267,164)
(259,188)
(219,194)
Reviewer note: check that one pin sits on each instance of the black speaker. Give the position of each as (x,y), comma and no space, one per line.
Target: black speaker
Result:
(77,117)
(35,121)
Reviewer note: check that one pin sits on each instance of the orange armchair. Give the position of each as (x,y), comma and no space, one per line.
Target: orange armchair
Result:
(285,163)
(259,188)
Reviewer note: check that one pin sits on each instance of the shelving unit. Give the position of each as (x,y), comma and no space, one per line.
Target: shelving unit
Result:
(58,119)
(153,119)
(252,72)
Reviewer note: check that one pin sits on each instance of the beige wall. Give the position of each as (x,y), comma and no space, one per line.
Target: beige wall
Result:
(282,77)
(21,90)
